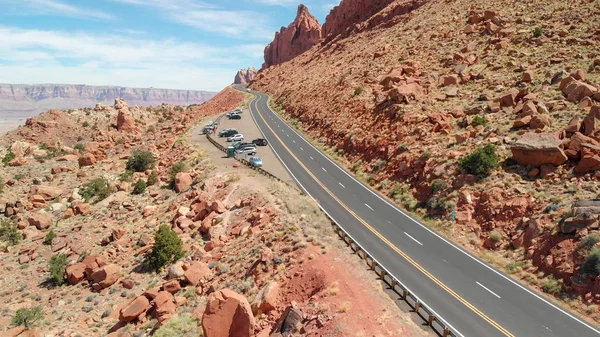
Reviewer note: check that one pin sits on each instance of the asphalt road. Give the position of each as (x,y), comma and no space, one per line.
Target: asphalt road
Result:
(473,297)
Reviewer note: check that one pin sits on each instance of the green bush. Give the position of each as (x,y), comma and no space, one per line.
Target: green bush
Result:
(9,233)
(141,161)
(438,185)
(97,189)
(379,164)
(52,152)
(127,176)
(358,91)
(402,148)
(86,124)
(19,176)
(27,317)
(185,325)
(478,120)
(496,236)
(426,155)
(152,179)
(551,285)
(591,266)
(588,242)
(79,147)
(168,247)
(8,157)
(57,266)
(538,32)
(481,162)
(140,187)
(49,237)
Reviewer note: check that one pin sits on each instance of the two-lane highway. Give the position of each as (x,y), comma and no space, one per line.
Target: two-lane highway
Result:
(472,296)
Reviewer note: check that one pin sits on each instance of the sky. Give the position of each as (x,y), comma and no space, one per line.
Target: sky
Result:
(173,44)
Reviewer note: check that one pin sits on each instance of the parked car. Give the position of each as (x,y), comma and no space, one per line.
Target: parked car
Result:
(260,142)
(250,151)
(255,161)
(228,133)
(236,138)
(236,116)
(238,145)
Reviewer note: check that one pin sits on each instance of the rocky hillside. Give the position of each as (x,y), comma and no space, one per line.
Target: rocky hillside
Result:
(245,76)
(122,221)
(28,100)
(303,33)
(480,117)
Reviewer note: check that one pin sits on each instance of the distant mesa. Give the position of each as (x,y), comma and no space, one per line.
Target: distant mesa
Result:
(245,76)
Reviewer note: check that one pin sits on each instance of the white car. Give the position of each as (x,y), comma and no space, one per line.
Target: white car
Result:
(250,151)
(236,138)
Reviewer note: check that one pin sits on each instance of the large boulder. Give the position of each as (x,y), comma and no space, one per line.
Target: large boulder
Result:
(197,272)
(125,120)
(537,149)
(75,272)
(591,123)
(107,275)
(288,321)
(227,314)
(47,192)
(266,299)
(87,159)
(183,181)
(576,90)
(40,220)
(294,40)
(135,308)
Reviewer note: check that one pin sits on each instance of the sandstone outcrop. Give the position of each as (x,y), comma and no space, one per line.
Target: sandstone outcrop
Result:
(537,149)
(227,314)
(303,33)
(245,76)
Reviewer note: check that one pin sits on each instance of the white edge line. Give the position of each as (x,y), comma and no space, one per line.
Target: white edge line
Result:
(371,208)
(539,297)
(415,240)
(484,287)
(454,330)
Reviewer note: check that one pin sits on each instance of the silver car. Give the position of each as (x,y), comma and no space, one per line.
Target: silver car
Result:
(255,161)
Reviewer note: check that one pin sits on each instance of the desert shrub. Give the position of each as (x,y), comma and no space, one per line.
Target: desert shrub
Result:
(97,189)
(27,317)
(141,161)
(57,266)
(9,233)
(168,247)
(438,185)
(425,155)
(379,164)
(85,124)
(478,120)
(185,325)
(514,267)
(495,236)
(150,129)
(358,91)
(19,176)
(551,285)
(591,266)
(152,179)
(52,152)
(588,242)
(402,148)
(140,187)
(481,162)
(79,147)
(8,157)
(441,204)
(538,32)
(126,176)
(49,237)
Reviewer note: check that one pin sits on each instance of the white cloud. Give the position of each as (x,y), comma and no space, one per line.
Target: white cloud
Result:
(283,3)
(54,7)
(36,56)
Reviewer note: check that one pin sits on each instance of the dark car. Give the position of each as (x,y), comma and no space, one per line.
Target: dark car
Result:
(228,133)
(260,142)
(235,117)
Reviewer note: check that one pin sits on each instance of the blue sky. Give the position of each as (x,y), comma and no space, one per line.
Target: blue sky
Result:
(177,44)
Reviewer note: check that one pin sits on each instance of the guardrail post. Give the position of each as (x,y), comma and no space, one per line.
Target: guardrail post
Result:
(446,332)
(373,264)
(404,294)
(394,282)
(430,320)
(382,274)
(417,306)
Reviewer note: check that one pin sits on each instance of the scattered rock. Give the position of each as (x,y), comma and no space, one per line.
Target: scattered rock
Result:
(227,314)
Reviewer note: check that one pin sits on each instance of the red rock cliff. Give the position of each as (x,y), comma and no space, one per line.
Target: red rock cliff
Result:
(294,40)
(352,12)
(245,76)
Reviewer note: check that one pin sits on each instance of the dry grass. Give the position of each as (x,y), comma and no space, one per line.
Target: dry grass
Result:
(344,307)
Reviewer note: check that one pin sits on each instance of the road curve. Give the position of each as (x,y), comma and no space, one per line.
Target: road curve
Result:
(476,299)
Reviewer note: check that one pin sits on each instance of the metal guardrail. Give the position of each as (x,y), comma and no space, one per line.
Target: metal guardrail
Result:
(422,309)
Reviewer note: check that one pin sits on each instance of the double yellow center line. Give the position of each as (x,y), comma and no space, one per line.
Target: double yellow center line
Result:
(390,244)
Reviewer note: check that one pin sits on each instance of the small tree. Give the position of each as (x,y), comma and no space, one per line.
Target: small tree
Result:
(49,237)
(438,185)
(127,176)
(79,147)
(152,179)
(538,32)
(168,247)
(591,266)
(97,188)
(140,187)
(141,161)
(57,266)
(478,120)
(27,317)
(9,233)
(481,162)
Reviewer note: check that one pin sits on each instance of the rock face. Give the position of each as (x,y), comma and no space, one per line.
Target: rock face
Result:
(227,314)
(294,40)
(350,12)
(537,149)
(245,76)
(29,100)
(125,120)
